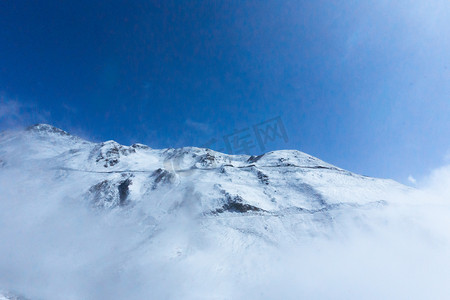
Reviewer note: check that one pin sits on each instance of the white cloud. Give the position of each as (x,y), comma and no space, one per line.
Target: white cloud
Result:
(17,114)
(438,182)
(412,179)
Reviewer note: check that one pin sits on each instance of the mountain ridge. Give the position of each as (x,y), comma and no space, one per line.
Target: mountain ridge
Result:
(271,182)
(140,217)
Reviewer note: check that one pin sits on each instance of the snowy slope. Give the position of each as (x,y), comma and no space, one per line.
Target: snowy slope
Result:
(184,212)
(280,184)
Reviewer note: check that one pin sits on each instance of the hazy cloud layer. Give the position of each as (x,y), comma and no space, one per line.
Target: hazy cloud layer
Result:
(54,246)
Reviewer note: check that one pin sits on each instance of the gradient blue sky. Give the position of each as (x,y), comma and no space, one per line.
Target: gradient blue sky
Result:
(364,85)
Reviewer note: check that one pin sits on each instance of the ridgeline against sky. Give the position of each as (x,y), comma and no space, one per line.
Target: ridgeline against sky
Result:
(365,86)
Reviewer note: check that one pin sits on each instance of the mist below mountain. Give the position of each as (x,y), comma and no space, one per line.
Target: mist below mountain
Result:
(84,220)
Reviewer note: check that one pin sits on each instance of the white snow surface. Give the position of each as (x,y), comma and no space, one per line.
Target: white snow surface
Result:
(84,220)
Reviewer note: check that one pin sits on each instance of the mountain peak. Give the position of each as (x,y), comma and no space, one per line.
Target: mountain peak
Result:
(47,129)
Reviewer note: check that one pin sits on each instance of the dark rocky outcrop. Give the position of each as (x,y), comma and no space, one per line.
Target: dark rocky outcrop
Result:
(263,178)
(162,177)
(109,153)
(253,159)
(235,204)
(110,193)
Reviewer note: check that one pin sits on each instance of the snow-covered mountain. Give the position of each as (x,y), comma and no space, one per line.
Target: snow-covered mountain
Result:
(171,204)
(271,188)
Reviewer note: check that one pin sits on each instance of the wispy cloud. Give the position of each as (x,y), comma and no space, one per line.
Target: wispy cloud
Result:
(199,126)
(9,108)
(411,179)
(17,114)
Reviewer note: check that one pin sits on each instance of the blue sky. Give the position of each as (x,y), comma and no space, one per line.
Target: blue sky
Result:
(364,85)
